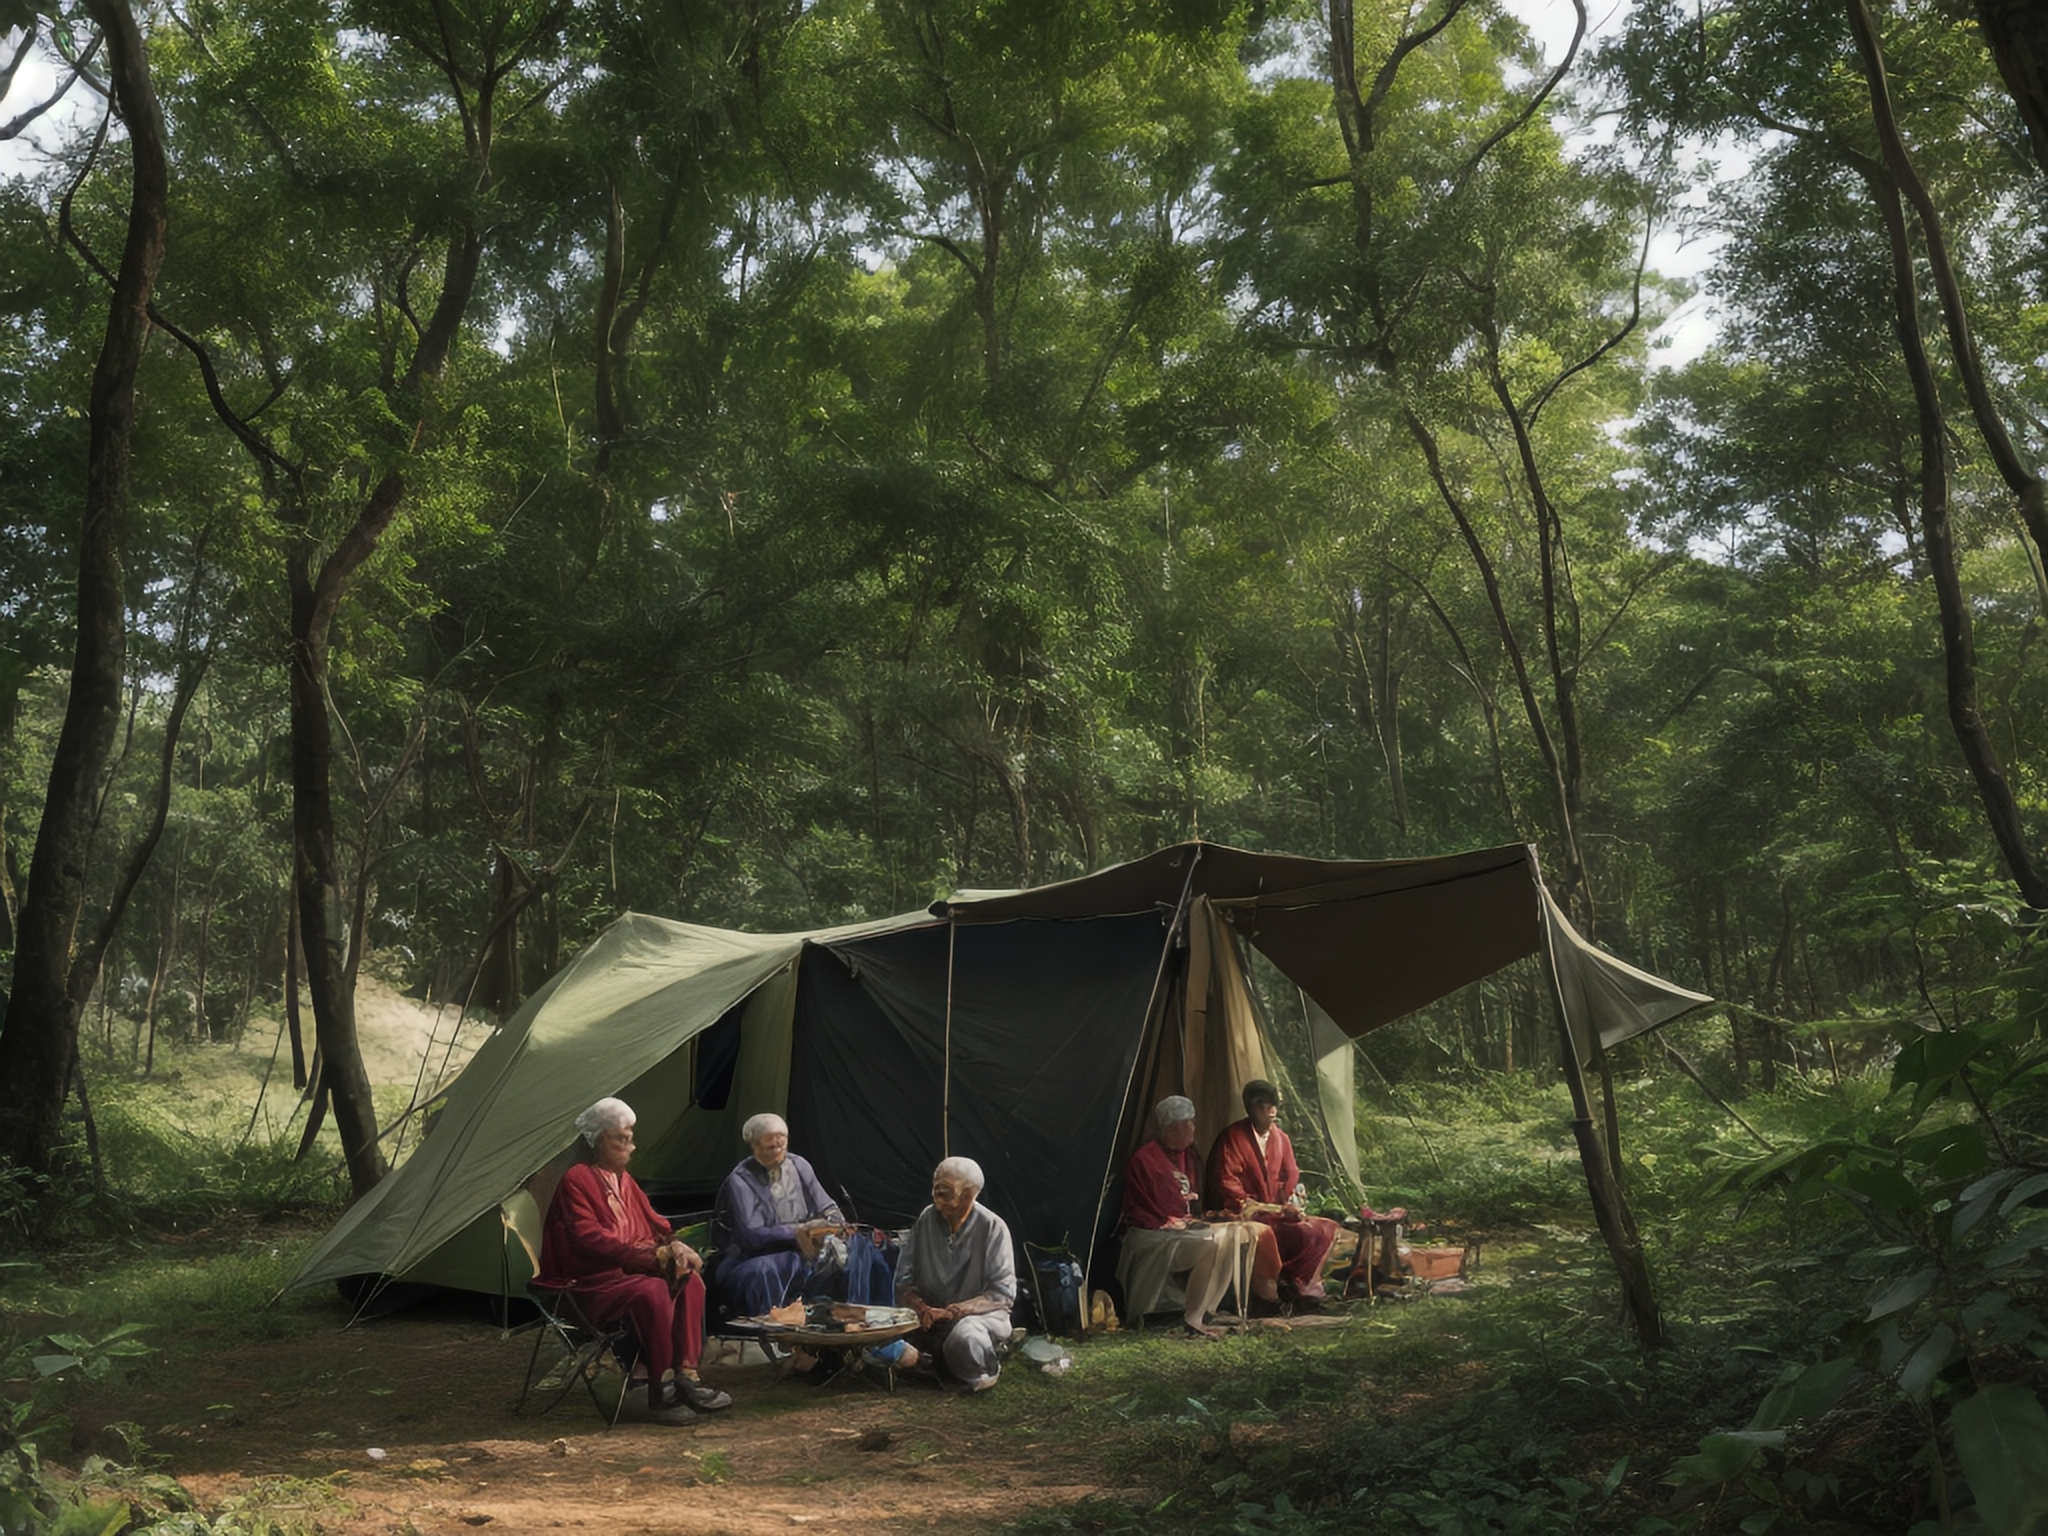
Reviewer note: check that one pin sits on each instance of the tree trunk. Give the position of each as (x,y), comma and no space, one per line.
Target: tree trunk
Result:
(325,912)
(202,1027)
(2016,31)
(39,1038)
(497,969)
(92,1129)
(1561,644)
(1958,634)
(327,919)
(1610,1209)
(10,900)
(1577,887)
(246,1001)
(1617,1227)
(166,951)
(1388,674)
(294,950)
(1380,677)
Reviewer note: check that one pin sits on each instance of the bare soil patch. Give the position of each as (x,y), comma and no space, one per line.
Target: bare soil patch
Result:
(406,1425)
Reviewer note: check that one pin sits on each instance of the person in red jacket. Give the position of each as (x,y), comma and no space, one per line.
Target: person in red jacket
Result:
(1252,1173)
(604,1238)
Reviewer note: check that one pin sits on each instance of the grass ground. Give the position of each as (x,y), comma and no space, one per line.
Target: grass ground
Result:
(1367,1415)
(1522,1405)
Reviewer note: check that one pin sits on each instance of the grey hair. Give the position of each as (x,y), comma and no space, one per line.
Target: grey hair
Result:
(605,1115)
(965,1169)
(1173,1109)
(761,1125)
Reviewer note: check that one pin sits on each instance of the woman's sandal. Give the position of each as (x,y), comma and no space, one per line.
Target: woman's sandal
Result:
(1199,1330)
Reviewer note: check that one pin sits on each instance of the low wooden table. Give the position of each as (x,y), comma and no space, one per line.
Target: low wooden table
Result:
(842,1349)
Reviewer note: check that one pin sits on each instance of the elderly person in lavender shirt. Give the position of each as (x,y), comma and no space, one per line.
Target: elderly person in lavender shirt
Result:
(779,1234)
(957,1271)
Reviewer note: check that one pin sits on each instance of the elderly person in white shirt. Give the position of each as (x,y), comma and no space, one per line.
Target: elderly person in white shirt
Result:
(957,1271)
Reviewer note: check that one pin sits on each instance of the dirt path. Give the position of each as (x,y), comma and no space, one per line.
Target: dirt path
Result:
(404,1427)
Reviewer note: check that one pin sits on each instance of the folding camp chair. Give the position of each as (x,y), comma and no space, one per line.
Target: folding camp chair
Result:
(721,1333)
(569,1348)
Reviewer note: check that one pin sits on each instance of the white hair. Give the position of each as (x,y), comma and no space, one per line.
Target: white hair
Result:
(965,1169)
(605,1115)
(763,1124)
(1172,1110)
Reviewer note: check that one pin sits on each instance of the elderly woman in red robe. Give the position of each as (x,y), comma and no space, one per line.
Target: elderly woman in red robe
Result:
(603,1238)
(1252,1173)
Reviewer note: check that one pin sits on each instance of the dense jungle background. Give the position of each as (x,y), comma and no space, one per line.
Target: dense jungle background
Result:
(473,467)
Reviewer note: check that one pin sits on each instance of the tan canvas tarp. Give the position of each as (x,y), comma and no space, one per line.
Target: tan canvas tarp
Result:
(1604,997)
(1369,941)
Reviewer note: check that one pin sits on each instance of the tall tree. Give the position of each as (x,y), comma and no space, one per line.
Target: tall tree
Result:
(1483,294)
(1946,239)
(39,1037)
(340,425)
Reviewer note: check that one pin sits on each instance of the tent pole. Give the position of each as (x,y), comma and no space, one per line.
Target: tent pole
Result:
(1610,1209)
(946,1082)
(1180,916)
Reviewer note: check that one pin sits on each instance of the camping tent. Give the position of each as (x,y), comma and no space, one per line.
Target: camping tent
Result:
(1030,1030)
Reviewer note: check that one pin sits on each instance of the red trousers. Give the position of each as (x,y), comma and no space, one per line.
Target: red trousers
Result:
(669,1326)
(1294,1251)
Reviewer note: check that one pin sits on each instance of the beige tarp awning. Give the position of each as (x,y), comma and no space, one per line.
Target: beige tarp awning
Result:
(1367,942)
(1605,996)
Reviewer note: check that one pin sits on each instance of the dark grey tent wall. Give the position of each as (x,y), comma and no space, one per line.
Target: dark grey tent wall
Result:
(1046,1020)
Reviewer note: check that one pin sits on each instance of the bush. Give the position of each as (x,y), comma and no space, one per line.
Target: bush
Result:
(35,1377)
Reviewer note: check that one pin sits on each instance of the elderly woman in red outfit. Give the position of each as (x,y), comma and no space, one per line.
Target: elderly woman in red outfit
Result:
(625,1261)
(1164,1234)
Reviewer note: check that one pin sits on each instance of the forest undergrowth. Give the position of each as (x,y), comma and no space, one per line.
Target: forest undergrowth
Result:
(1849,1269)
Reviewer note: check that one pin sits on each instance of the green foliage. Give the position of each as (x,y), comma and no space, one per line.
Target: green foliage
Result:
(35,1376)
(1449,1414)
(43,1205)
(854,479)
(103,1345)
(1488,1148)
(188,1161)
(1947,1248)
